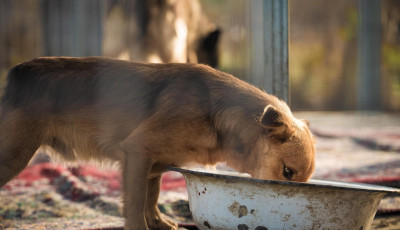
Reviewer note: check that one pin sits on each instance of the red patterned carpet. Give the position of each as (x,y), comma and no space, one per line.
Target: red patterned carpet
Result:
(50,196)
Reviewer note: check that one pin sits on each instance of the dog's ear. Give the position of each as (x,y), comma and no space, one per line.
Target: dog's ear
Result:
(277,124)
(207,51)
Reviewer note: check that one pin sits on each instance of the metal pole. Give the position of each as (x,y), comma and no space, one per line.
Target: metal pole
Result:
(276,27)
(369,55)
(257,76)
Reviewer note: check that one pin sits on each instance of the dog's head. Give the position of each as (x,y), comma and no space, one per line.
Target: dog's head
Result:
(286,150)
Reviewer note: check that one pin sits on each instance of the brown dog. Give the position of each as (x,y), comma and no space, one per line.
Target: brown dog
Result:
(147,117)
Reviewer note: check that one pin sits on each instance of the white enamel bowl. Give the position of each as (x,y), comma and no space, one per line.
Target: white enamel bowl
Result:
(221,201)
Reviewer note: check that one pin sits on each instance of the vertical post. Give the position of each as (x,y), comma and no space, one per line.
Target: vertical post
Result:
(257,76)
(5,18)
(369,53)
(51,27)
(269,66)
(73,28)
(276,27)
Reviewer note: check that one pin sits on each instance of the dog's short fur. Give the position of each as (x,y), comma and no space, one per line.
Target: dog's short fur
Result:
(147,117)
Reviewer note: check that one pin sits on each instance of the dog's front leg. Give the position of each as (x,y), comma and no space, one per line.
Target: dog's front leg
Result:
(135,173)
(153,216)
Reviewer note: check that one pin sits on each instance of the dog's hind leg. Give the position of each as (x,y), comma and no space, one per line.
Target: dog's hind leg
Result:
(19,140)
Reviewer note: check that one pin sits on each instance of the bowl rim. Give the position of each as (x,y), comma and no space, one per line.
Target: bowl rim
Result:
(312,183)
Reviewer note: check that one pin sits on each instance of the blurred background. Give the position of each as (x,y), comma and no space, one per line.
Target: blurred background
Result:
(344,77)
(323,40)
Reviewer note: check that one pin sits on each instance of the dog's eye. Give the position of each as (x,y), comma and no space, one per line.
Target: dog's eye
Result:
(287,172)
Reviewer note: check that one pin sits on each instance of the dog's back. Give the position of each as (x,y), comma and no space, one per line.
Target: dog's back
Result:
(56,84)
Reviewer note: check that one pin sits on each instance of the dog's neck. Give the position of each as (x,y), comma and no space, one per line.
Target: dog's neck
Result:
(238,128)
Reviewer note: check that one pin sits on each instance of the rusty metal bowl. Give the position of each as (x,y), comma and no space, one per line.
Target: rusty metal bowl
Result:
(226,201)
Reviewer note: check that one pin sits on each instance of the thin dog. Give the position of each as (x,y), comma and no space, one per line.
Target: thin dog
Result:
(147,117)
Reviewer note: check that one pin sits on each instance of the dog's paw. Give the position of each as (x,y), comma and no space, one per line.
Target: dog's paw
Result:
(157,222)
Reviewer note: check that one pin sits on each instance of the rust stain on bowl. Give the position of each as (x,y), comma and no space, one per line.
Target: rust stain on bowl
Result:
(207,224)
(238,210)
(242,227)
